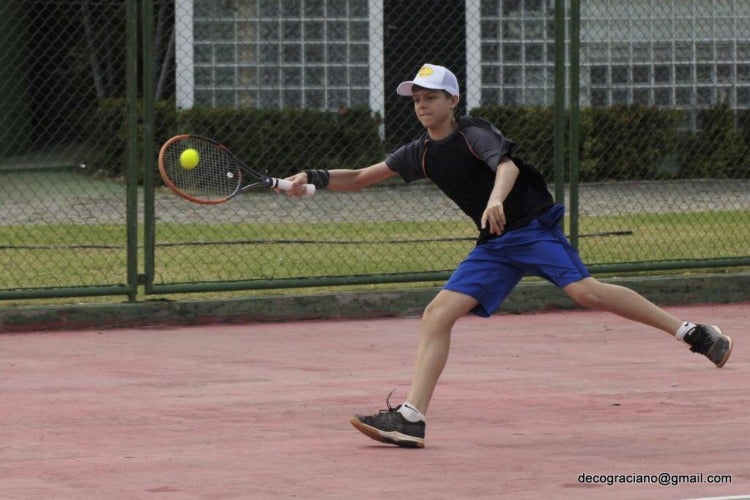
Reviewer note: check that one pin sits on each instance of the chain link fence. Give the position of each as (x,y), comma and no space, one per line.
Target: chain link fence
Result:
(659,178)
(665,97)
(289,85)
(62,191)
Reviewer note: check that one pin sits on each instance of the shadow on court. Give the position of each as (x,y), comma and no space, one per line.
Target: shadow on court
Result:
(526,406)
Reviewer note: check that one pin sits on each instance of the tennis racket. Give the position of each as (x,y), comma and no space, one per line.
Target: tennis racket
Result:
(210,173)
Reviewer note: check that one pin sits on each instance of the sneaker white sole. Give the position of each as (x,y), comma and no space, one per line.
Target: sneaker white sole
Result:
(397,438)
(724,358)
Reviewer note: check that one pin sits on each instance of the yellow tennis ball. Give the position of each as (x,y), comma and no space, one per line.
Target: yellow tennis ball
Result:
(189,159)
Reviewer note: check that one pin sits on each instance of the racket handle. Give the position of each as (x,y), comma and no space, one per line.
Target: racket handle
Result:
(287,185)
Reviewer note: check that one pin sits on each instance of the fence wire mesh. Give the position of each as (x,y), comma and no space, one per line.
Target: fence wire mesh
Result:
(62,205)
(292,84)
(289,85)
(664,123)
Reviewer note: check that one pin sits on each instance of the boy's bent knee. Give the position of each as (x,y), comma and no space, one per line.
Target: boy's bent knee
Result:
(448,306)
(436,311)
(585,293)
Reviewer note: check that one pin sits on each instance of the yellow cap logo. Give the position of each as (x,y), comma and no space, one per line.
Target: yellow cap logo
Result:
(425,71)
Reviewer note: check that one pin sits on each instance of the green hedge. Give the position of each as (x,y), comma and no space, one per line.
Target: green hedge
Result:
(279,142)
(108,137)
(616,143)
(286,141)
(720,149)
(629,143)
(635,142)
(531,128)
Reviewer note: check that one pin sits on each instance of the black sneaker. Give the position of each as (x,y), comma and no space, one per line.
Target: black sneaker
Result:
(711,342)
(389,426)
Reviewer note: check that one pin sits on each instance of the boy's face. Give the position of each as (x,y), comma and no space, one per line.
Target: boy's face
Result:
(433,107)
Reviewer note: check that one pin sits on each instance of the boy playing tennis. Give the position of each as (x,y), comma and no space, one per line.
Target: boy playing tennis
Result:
(473,164)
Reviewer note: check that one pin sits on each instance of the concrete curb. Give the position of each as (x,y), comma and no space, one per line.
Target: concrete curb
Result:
(528,296)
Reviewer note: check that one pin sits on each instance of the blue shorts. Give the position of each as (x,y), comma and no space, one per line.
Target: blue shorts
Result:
(494,268)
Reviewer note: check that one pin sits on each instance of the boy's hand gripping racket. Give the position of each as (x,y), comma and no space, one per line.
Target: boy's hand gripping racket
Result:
(204,171)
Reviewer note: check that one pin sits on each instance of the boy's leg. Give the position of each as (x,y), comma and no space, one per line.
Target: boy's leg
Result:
(392,425)
(593,294)
(703,339)
(434,343)
(479,285)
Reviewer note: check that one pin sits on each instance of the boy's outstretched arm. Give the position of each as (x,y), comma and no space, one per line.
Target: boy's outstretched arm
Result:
(344,179)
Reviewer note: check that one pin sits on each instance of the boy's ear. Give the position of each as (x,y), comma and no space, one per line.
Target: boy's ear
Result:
(454,101)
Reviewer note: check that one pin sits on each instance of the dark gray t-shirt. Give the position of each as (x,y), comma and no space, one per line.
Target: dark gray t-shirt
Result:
(463,166)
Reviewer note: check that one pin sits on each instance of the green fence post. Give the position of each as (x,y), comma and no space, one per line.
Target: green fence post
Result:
(559,153)
(132,154)
(147,11)
(575,45)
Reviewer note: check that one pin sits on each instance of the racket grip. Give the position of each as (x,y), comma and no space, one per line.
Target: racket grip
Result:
(285,185)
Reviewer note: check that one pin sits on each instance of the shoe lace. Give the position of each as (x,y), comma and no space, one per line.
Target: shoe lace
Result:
(703,342)
(390,408)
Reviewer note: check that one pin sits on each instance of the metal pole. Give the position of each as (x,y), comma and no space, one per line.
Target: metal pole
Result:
(132,148)
(147,117)
(575,46)
(559,154)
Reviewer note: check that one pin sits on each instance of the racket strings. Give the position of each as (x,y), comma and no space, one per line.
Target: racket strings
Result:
(215,178)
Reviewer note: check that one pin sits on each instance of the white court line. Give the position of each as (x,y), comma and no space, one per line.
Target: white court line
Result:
(735,497)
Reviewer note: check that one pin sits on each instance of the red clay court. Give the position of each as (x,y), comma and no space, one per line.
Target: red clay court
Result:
(526,406)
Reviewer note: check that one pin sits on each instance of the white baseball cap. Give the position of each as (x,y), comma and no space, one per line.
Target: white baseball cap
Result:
(431,76)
